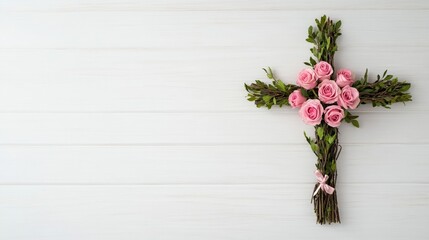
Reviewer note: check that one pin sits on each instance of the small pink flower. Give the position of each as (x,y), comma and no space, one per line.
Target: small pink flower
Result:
(296,99)
(333,115)
(344,78)
(349,98)
(328,91)
(307,79)
(311,112)
(323,70)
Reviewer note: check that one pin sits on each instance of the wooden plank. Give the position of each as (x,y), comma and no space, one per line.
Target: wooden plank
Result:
(127,120)
(205,5)
(205,29)
(192,79)
(261,127)
(209,212)
(206,164)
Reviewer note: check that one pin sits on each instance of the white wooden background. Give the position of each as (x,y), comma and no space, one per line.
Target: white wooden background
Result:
(128,120)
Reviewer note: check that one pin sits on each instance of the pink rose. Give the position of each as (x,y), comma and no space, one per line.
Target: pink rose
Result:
(311,112)
(328,91)
(349,97)
(307,79)
(323,70)
(296,99)
(344,77)
(333,115)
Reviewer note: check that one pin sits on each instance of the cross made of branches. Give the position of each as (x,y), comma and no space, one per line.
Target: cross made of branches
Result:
(324,98)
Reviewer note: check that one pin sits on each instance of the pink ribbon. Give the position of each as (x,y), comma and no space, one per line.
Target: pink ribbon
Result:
(322,183)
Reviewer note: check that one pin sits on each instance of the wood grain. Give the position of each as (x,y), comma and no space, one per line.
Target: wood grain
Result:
(209,212)
(198,29)
(207,5)
(263,127)
(128,120)
(192,79)
(246,164)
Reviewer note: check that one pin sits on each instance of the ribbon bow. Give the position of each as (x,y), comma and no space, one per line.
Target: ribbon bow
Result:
(322,183)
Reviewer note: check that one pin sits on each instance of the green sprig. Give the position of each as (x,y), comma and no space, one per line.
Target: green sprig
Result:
(267,95)
(385,91)
(350,118)
(324,38)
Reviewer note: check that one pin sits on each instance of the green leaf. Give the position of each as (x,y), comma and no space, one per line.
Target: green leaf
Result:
(323,19)
(306,137)
(405,87)
(304,92)
(365,77)
(266,98)
(314,147)
(320,132)
(338,25)
(310,40)
(333,166)
(246,87)
(355,123)
(280,85)
(269,72)
(330,139)
(310,30)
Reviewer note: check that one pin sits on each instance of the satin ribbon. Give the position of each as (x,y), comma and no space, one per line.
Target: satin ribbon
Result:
(322,183)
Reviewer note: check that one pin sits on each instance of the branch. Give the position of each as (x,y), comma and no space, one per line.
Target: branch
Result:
(385,91)
(324,39)
(267,95)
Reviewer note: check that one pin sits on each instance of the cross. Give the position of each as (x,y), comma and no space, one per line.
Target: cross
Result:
(325,103)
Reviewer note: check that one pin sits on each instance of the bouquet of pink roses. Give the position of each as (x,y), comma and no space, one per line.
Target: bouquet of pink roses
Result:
(331,98)
(324,98)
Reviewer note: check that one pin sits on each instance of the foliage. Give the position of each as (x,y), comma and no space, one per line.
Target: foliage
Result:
(383,92)
(324,38)
(267,95)
(350,118)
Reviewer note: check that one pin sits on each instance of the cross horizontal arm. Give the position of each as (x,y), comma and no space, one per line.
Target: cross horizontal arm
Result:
(383,92)
(267,95)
